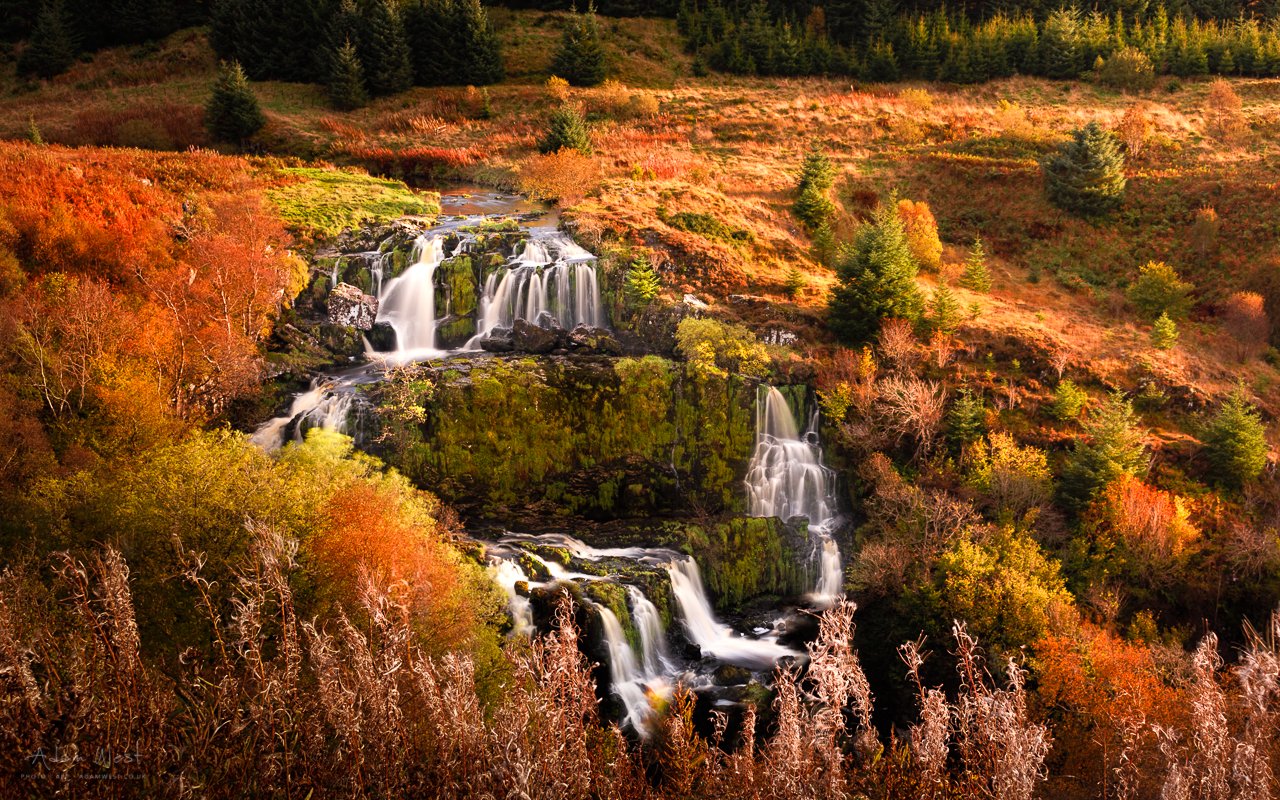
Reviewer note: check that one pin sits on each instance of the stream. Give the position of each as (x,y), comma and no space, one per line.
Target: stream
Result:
(550,281)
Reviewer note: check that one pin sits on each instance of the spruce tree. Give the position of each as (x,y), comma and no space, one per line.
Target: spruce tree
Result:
(1236,442)
(881,65)
(384,49)
(346,79)
(1086,175)
(480,45)
(429,26)
(875,279)
(824,245)
(794,282)
(232,114)
(966,419)
(1060,45)
(817,176)
(817,171)
(976,278)
(642,284)
(1112,447)
(580,59)
(944,311)
(566,128)
(51,49)
(1164,333)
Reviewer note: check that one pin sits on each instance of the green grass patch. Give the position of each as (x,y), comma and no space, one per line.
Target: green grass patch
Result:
(322,203)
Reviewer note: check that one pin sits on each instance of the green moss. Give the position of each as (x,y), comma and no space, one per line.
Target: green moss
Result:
(321,203)
(704,225)
(456,280)
(748,557)
(614,597)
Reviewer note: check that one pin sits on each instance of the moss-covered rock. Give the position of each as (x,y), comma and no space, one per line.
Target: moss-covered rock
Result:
(744,558)
(592,436)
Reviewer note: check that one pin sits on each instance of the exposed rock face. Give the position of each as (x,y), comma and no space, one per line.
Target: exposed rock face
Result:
(530,338)
(525,337)
(351,307)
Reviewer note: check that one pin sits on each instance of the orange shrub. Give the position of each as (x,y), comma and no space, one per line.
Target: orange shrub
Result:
(565,176)
(922,233)
(1244,318)
(1153,524)
(148,125)
(415,163)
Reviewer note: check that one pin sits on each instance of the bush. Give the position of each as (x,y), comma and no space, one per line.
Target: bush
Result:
(1015,478)
(1127,68)
(565,176)
(1224,117)
(922,233)
(566,129)
(232,114)
(1244,318)
(1159,290)
(642,284)
(1086,175)
(1069,401)
(794,283)
(721,348)
(580,59)
(1154,525)
(1236,442)
(875,280)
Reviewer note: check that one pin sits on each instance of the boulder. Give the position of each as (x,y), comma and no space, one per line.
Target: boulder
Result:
(730,675)
(499,340)
(586,339)
(529,338)
(351,307)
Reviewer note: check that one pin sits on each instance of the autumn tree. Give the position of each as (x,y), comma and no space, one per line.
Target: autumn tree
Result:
(1224,113)
(1244,319)
(922,233)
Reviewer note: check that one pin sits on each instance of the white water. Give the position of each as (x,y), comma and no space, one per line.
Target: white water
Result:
(714,637)
(318,407)
(507,574)
(653,640)
(629,682)
(786,478)
(408,301)
(550,278)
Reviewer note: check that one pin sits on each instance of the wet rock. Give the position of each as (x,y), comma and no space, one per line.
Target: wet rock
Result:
(351,307)
(730,675)
(586,339)
(530,338)
(382,337)
(499,340)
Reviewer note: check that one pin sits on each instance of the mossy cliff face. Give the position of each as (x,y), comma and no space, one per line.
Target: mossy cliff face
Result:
(745,558)
(591,436)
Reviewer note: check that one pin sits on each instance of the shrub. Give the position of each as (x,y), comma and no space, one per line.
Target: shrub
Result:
(1244,318)
(1086,175)
(721,348)
(1164,332)
(1134,129)
(1159,291)
(557,89)
(875,279)
(642,284)
(1127,68)
(1154,525)
(1204,233)
(566,129)
(580,59)
(922,233)
(1014,477)
(565,176)
(1111,448)
(1236,442)
(1069,401)
(346,79)
(794,283)
(1224,117)
(232,114)
(976,278)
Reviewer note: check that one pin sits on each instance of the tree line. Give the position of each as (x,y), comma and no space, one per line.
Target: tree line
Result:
(953,46)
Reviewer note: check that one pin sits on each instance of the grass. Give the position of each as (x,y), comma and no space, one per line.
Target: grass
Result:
(321,203)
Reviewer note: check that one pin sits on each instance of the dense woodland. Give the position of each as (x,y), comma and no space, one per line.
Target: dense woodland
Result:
(1030,302)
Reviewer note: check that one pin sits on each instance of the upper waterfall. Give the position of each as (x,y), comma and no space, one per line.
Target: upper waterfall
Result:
(408,301)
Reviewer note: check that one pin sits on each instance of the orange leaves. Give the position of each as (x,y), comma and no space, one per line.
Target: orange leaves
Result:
(1153,524)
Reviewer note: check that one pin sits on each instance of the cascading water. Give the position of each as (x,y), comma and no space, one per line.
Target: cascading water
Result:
(786,478)
(629,683)
(551,278)
(653,639)
(408,301)
(712,636)
(321,406)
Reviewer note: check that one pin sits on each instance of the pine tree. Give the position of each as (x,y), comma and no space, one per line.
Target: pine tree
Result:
(566,128)
(1086,175)
(480,45)
(1060,45)
(1159,290)
(967,419)
(817,171)
(51,49)
(1164,333)
(232,113)
(580,59)
(875,279)
(814,208)
(642,284)
(975,277)
(1112,447)
(824,245)
(1236,442)
(881,65)
(944,311)
(432,21)
(346,79)
(794,283)
(384,49)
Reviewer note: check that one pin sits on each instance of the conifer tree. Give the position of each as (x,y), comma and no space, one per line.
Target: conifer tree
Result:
(346,79)
(384,49)
(51,49)
(875,279)
(824,245)
(881,65)
(975,277)
(794,282)
(232,114)
(1236,442)
(817,172)
(966,419)
(480,45)
(566,128)
(1060,45)
(436,57)
(813,207)
(944,311)
(1086,175)
(580,59)
(1164,333)
(642,284)
(1112,447)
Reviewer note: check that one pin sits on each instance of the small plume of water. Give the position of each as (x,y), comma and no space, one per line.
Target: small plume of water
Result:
(713,637)
(408,301)
(507,574)
(325,405)
(653,640)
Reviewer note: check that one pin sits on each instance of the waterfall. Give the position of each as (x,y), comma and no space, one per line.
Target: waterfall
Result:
(715,638)
(551,278)
(786,478)
(321,406)
(507,574)
(624,673)
(653,640)
(408,301)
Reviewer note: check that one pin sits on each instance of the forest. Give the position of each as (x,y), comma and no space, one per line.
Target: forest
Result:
(764,400)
